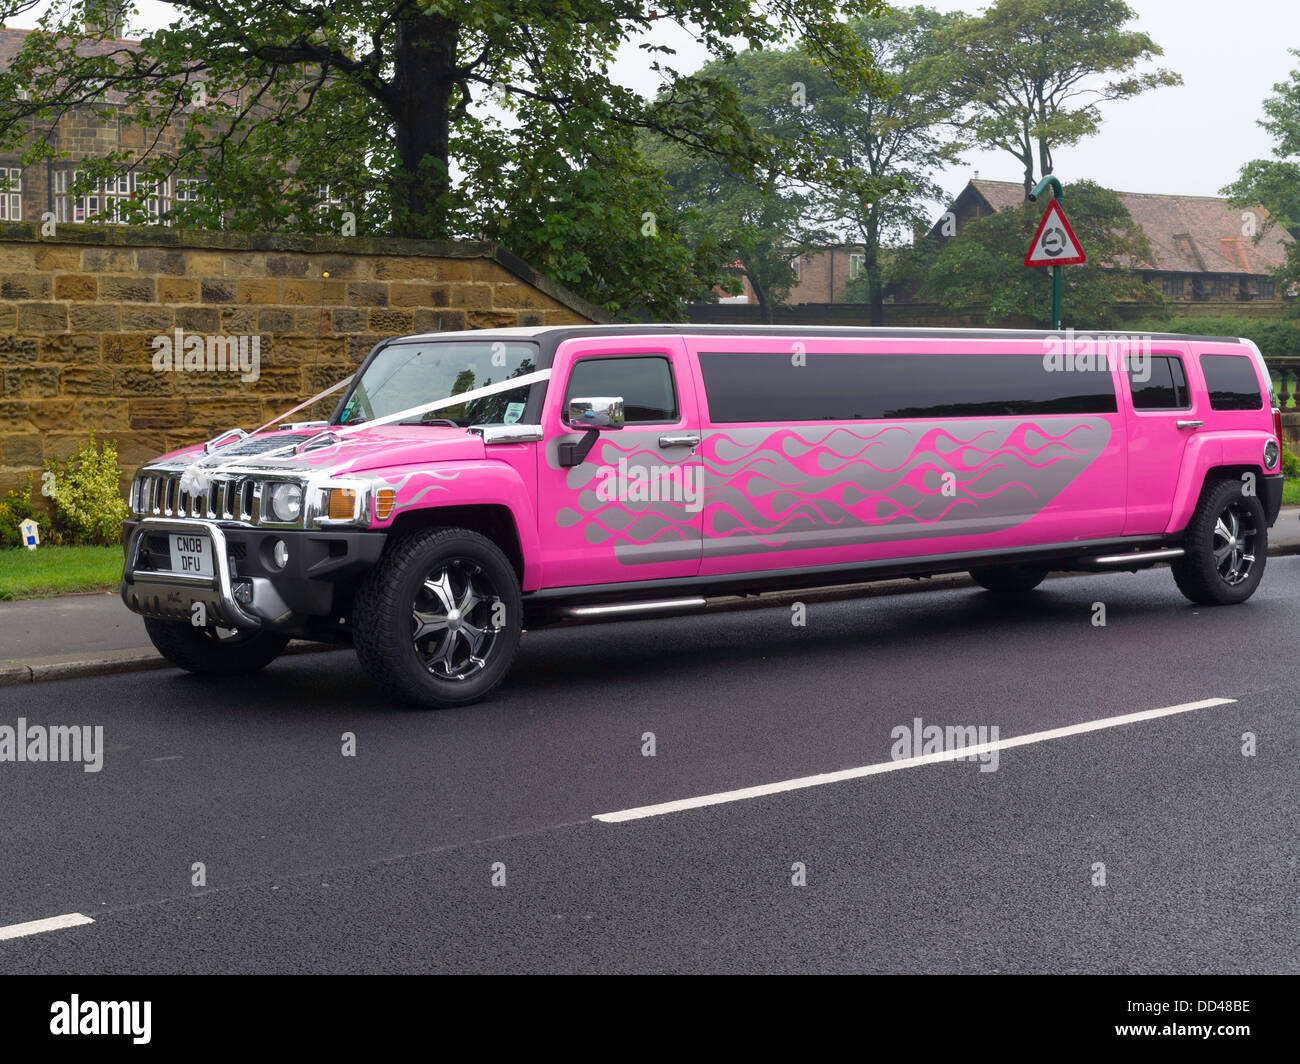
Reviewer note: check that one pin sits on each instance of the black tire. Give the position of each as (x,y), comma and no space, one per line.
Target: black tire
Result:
(1009,578)
(445,667)
(1218,569)
(204,650)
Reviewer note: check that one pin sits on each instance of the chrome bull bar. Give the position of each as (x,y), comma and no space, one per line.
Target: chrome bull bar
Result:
(170,595)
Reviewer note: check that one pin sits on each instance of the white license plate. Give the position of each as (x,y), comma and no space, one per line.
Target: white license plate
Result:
(191,554)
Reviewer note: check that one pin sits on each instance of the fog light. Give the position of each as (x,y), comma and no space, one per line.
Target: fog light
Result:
(280,554)
(1270,454)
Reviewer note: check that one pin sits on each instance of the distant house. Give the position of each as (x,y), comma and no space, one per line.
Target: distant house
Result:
(80,133)
(1204,247)
(822,276)
(30,191)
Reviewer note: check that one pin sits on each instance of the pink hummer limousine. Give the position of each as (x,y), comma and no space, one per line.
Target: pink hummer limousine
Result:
(471,484)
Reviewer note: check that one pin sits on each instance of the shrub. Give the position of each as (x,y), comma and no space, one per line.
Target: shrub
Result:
(1275,337)
(1290,464)
(16,507)
(88,508)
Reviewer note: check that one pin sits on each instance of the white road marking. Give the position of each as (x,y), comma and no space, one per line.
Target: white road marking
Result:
(35,927)
(824,778)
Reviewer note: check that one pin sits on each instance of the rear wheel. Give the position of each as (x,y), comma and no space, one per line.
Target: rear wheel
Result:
(437,622)
(214,651)
(1225,547)
(1009,578)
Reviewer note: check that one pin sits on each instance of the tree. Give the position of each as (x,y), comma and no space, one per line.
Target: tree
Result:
(984,262)
(383,100)
(1274,183)
(766,217)
(1038,71)
(881,141)
(893,138)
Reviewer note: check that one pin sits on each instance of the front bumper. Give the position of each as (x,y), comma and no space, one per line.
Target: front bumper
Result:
(1270,495)
(247,590)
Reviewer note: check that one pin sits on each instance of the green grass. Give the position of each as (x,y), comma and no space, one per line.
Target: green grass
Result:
(58,571)
(1291,493)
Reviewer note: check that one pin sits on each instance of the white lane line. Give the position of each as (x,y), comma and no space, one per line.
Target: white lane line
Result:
(824,778)
(35,927)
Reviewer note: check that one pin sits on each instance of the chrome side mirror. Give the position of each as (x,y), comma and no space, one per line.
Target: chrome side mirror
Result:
(595,415)
(604,412)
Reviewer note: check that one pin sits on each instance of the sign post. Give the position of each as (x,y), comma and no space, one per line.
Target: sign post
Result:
(1054,243)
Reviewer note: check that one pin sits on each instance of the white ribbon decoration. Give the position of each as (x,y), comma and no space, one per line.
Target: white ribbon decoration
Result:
(196,480)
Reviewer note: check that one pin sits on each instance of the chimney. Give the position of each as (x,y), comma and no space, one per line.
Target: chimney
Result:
(104,18)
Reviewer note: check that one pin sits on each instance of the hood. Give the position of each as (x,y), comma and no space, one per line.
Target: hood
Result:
(377,448)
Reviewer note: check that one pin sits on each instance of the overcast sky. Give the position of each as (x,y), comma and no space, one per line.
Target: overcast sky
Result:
(1189,140)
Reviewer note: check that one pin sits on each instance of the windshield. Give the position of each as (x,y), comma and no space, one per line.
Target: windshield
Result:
(406,375)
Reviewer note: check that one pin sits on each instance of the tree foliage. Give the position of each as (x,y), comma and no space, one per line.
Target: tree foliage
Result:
(385,103)
(984,262)
(1038,72)
(1275,183)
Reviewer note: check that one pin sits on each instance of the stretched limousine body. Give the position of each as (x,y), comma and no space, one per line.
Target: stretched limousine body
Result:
(469,484)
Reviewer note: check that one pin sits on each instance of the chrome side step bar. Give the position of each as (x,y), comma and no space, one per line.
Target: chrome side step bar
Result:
(624,609)
(1141,557)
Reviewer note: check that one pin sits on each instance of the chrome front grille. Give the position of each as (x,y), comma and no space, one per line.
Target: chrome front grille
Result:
(158,494)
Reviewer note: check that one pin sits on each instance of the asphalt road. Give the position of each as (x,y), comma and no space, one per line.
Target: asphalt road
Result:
(385,861)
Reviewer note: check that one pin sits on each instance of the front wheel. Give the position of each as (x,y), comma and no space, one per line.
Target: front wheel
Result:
(437,622)
(1225,547)
(214,651)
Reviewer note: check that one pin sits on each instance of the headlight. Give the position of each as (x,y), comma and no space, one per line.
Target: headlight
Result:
(284,502)
(1270,454)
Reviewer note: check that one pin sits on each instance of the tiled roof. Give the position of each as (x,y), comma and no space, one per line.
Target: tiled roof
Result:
(1189,234)
(11,43)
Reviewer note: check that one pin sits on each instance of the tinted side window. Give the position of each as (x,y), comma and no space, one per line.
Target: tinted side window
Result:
(1231,382)
(646,385)
(1165,386)
(850,387)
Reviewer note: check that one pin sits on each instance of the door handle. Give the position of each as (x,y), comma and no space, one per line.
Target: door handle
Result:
(688,439)
(1189,424)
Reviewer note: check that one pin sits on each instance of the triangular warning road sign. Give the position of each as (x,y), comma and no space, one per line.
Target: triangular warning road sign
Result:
(1055,243)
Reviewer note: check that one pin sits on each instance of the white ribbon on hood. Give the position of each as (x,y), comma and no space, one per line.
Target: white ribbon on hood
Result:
(197,478)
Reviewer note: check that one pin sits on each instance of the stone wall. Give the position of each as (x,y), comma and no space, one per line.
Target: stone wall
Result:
(79,315)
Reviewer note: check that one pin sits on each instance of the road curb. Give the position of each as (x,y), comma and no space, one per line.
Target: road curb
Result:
(111,662)
(108,663)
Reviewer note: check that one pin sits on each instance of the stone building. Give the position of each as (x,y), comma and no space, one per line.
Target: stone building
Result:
(1204,246)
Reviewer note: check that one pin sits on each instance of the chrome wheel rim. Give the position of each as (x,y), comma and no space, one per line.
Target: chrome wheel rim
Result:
(455,620)
(1235,536)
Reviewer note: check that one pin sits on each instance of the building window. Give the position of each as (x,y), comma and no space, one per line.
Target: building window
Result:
(187,190)
(1172,287)
(11,194)
(327,198)
(855,266)
(120,199)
